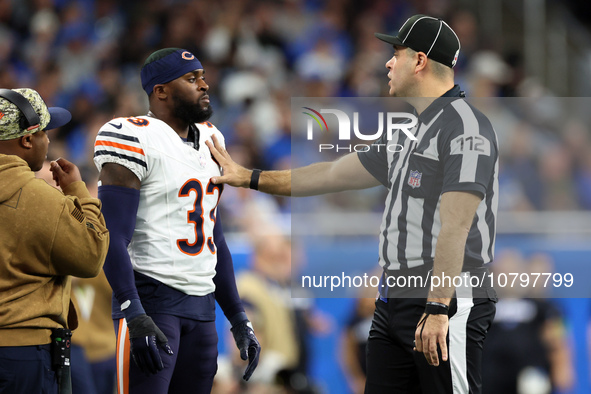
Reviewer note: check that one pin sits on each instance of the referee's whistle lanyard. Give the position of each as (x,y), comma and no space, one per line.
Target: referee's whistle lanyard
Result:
(422,325)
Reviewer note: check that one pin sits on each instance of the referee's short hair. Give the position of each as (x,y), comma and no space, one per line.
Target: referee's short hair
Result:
(440,70)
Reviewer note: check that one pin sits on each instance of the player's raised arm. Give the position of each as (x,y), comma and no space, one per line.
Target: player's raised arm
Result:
(346,173)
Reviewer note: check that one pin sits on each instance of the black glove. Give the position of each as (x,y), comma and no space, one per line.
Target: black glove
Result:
(248,345)
(145,338)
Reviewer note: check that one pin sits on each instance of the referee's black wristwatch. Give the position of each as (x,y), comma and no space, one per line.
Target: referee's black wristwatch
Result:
(254,179)
(436,308)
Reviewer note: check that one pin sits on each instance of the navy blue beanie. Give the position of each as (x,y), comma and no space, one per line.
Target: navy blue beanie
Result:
(166,65)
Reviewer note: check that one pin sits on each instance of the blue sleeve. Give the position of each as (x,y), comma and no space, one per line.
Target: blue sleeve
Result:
(226,293)
(119,207)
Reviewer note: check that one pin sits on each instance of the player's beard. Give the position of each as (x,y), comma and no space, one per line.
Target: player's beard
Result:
(189,112)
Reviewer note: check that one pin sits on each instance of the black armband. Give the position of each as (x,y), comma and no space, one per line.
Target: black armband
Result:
(436,308)
(254,179)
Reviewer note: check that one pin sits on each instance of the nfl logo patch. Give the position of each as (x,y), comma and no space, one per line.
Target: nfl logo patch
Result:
(414,179)
(202,159)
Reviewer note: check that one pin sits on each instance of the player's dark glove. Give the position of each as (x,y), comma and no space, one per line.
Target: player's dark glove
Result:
(145,338)
(248,345)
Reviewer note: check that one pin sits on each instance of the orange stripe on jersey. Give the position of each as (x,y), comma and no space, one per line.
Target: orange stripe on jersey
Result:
(123,352)
(120,146)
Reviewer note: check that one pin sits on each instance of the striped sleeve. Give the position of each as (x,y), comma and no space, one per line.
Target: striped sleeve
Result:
(118,143)
(468,150)
(375,160)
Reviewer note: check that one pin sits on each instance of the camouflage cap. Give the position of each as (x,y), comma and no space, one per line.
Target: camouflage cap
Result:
(10,115)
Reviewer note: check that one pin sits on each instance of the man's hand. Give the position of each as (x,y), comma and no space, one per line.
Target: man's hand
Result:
(64,172)
(248,345)
(233,173)
(145,339)
(430,333)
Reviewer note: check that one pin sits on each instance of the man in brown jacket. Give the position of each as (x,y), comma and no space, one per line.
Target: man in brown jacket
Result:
(45,236)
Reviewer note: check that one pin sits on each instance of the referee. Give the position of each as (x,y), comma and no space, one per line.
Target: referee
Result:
(438,222)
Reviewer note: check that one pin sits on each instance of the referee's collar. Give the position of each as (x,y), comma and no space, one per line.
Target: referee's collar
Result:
(438,104)
(454,92)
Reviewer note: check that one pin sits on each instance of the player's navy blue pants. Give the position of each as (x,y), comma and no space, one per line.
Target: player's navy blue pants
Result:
(394,368)
(27,369)
(190,370)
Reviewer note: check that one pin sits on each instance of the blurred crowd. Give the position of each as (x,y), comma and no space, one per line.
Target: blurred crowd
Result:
(86,55)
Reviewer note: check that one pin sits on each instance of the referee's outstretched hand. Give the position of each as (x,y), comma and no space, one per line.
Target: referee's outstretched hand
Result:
(431,332)
(232,173)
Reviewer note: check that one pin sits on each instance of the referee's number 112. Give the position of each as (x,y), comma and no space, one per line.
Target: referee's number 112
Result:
(474,143)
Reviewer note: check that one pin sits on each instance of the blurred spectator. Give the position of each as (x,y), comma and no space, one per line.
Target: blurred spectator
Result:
(266,294)
(354,341)
(94,367)
(487,74)
(556,170)
(282,322)
(526,351)
(265,291)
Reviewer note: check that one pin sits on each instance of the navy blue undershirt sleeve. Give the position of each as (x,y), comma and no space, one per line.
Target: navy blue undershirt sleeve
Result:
(119,207)
(226,293)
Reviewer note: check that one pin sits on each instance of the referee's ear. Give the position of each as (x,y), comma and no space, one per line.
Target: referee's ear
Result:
(421,62)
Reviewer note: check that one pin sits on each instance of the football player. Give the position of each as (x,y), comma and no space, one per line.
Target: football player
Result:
(168,261)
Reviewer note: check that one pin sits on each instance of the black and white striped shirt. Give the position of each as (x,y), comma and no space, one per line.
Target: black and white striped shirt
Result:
(456,150)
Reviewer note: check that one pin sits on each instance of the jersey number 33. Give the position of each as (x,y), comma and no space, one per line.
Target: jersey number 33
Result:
(195,216)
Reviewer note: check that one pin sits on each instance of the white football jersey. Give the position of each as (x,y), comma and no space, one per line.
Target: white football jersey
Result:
(173,237)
